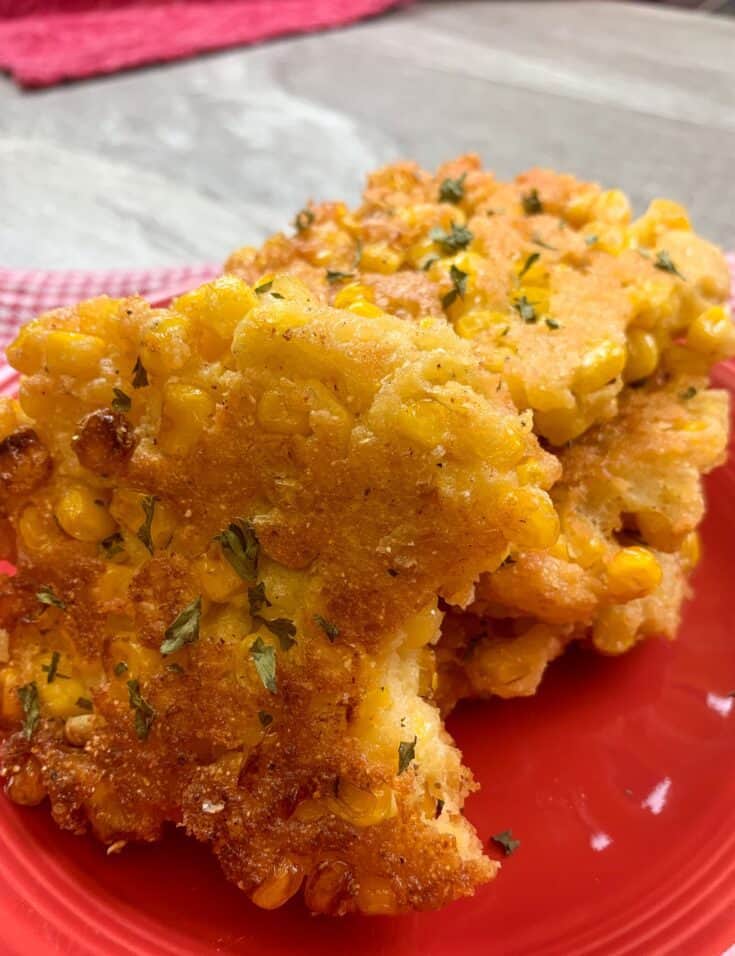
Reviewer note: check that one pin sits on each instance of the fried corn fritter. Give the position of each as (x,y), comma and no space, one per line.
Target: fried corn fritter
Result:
(629,504)
(232,521)
(548,277)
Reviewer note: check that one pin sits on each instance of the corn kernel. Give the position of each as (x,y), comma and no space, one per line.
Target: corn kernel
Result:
(423,628)
(633,572)
(363,808)
(379,257)
(661,216)
(613,633)
(8,417)
(713,333)
(166,342)
(476,321)
(217,578)
(531,520)
(186,412)
(80,514)
(38,529)
(353,292)
(612,206)
(141,661)
(26,352)
(580,207)
(99,317)
(113,583)
(72,353)
(691,550)
(654,301)
(278,888)
(126,507)
(283,412)
(217,308)
(375,896)
(59,698)
(366,309)
(424,421)
(599,366)
(78,729)
(643,355)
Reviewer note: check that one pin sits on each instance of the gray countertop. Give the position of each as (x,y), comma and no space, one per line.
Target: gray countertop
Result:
(184,162)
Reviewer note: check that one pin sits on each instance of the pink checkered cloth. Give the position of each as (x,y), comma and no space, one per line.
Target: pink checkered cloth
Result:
(43,42)
(26,293)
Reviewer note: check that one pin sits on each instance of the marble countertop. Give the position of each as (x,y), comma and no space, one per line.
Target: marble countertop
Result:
(184,162)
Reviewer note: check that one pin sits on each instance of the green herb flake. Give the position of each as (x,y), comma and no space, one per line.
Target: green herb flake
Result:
(257,598)
(264,658)
(406,753)
(140,376)
(665,264)
(534,257)
(526,310)
(265,718)
(452,190)
(52,669)
(276,295)
(505,840)
(303,220)
(535,238)
(265,287)
(184,629)
(148,504)
(459,237)
(240,547)
(334,275)
(552,324)
(531,203)
(144,713)
(120,668)
(590,240)
(175,668)
(428,263)
(688,393)
(283,629)
(112,545)
(331,630)
(84,703)
(459,283)
(121,402)
(46,595)
(439,808)
(31,704)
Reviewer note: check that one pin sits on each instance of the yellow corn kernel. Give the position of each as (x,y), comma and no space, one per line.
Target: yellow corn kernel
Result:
(560,549)
(8,417)
(366,309)
(99,317)
(9,701)
(691,550)
(26,352)
(379,257)
(612,206)
(72,353)
(309,810)
(420,251)
(612,632)
(423,627)
(217,578)
(424,421)
(280,887)
(353,292)
(609,237)
(661,216)
(633,572)
(375,896)
(38,529)
(363,808)
(166,342)
(79,728)
(713,333)
(654,301)
(531,472)
(560,425)
(476,321)
(579,208)
(216,308)
(530,519)
(59,698)
(599,366)
(643,355)
(186,413)
(113,583)
(141,661)
(284,412)
(126,507)
(80,514)
(586,548)
(683,361)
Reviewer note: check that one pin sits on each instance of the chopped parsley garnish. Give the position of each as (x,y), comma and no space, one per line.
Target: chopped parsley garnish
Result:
(264,658)
(428,263)
(84,703)
(175,668)
(144,713)
(459,237)
(184,629)
(265,718)
(590,240)
(664,263)
(526,310)
(505,840)
(120,668)
(531,203)
(276,295)
(283,629)
(303,220)
(540,242)
(459,283)
(257,598)
(439,808)
(46,595)
(534,257)
(452,190)
(148,504)
(52,669)
(334,275)
(552,323)
(265,287)
(28,695)
(406,753)
(331,630)
(240,547)
(140,376)
(688,393)
(121,402)
(112,545)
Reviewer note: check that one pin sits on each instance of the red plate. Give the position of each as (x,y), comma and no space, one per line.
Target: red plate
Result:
(618,778)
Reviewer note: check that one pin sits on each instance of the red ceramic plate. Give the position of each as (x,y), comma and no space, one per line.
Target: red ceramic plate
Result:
(618,778)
